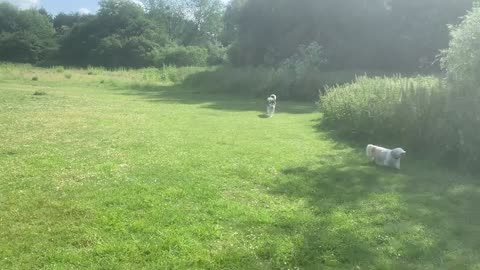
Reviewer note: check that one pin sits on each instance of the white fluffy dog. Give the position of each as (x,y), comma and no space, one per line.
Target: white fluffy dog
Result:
(385,157)
(271,103)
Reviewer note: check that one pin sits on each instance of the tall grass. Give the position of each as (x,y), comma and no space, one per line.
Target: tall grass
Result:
(165,75)
(418,113)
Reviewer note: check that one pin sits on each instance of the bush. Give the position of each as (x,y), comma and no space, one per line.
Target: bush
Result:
(217,54)
(168,73)
(34,78)
(244,81)
(298,77)
(419,114)
(259,81)
(461,60)
(379,108)
(68,75)
(182,56)
(95,70)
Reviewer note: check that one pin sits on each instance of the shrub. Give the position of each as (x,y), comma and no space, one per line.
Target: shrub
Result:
(259,81)
(168,73)
(95,70)
(217,54)
(34,78)
(253,81)
(68,75)
(296,76)
(379,108)
(182,56)
(461,61)
(418,113)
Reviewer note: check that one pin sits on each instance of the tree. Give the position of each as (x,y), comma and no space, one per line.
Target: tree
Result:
(190,22)
(8,18)
(63,21)
(119,35)
(26,35)
(374,34)
(461,60)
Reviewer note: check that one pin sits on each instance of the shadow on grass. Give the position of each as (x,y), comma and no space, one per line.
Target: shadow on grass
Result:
(422,217)
(185,94)
(378,218)
(264,116)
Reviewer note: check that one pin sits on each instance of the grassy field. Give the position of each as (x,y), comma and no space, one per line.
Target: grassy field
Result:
(125,170)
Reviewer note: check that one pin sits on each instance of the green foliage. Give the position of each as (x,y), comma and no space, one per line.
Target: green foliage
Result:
(62,22)
(123,34)
(381,108)
(306,58)
(207,17)
(25,35)
(168,74)
(462,59)
(217,54)
(8,17)
(461,62)
(188,22)
(183,56)
(419,114)
(297,75)
(399,35)
(377,34)
(241,81)
(59,69)
(119,36)
(260,81)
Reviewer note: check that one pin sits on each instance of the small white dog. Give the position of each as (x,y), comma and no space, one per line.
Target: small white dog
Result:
(271,103)
(385,157)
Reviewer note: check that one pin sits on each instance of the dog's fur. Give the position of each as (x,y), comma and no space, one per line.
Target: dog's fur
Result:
(271,103)
(385,157)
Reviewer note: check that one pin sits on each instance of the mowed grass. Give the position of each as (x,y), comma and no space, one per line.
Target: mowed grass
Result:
(113,170)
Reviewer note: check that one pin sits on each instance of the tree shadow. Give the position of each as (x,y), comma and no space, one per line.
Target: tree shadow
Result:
(373,217)
(422,217)
(186,94)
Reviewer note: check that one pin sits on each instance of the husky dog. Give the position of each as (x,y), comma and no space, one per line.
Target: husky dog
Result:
(385,157)
(271,102)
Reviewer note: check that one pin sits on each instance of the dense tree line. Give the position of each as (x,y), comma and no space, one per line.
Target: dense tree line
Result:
(353,34)
(122,33)
(366,34)
(25,36)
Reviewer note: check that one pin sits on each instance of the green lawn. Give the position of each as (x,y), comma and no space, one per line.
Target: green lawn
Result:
(113,170)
